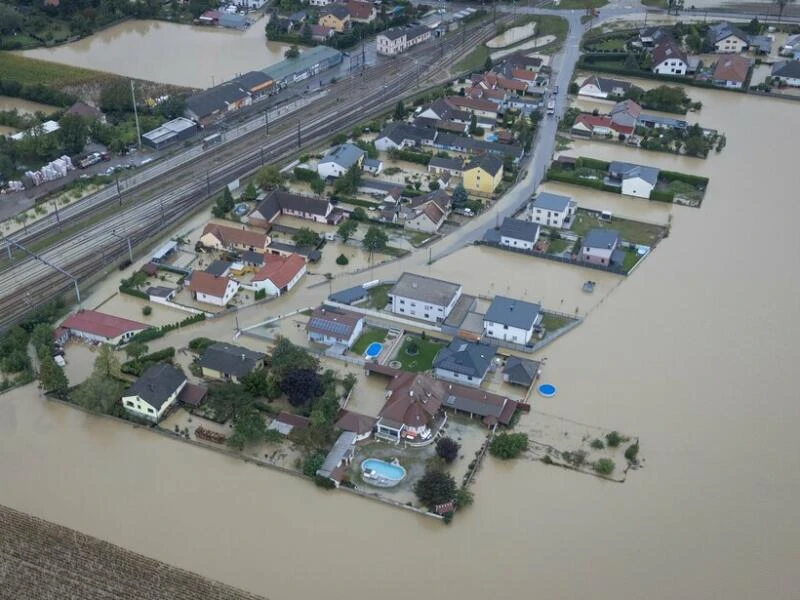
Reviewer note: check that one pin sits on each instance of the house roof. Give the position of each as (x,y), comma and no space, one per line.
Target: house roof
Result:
(473,103)
(279,200)
(296,421)
(280,270)
(466,358)
(215,99)
(342,448)
(393,33)
(442,199)
(156,384)
(337,10)
(372,163)
(321,31)
(229,359)
(446,110)
(413,399)
(399,131)
(102,324)
(355,422)
(630,170)
(655,33)
(252,258)
(159,291)
(253,79)
(732,67)
(601,238)
(432,211)
(360,10)
(520,371)
(344,155)
(554,202)
(455,164)
(518,59)
(629,107)
(667,49)
(787,68)
(480,402)
(209,284)
(605,84)
(82,109)
(193,394)
(425,289)
(512,312)
(450,140)
(519,230)
(218,268)
(487,162)
(719,31)
(233,235)
(334,322)
(349,295)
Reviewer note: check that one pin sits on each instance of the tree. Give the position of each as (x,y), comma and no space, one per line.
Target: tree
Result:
(73,132)
(250,192)
(574,88)
(375,240)
(106,363)
(301,386)
(448,449)
(487,66)
(115,97)
(248,428)
(613,439)
(460,196)
(306,33)
(604,466)
(52,378)
(292,52)
(342,260)
(346,229)
(172,107)
(632,451)
(754,27)
(255,383)
(228,400)
(348,183)
(317,186)
(473,124)
(269,178)
(433,185)
(98,393)
(435,487)
(399,111)
(136,349)
(358,214)
(305,237)
(286,356)
(508,445)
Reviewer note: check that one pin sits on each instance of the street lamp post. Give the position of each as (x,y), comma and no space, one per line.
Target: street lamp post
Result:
(127,239)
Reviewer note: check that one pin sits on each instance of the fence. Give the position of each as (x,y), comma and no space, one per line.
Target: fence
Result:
(561,259)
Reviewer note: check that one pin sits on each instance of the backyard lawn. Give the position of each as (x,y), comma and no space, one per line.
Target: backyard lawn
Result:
(423,359)
(631,231)
(473,61)
(370,334)
(378,296)
(553,322)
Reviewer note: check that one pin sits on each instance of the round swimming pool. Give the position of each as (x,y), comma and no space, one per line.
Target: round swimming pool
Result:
(381,473)
(547,390)
(373,350)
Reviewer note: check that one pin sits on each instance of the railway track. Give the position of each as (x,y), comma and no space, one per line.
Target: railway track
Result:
(99,245)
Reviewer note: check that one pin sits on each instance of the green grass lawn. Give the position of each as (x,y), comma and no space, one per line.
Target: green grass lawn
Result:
(553,322)
(32,70)
(378,296)
(655,3)
(474,61)
(609,45)
(418,237)
(370,334)
(552,25)
(578,4)
(631,258)
(631,231)
(557,246)
(422,361)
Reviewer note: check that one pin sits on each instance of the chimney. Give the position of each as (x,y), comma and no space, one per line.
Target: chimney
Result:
(411,393)
(243,356)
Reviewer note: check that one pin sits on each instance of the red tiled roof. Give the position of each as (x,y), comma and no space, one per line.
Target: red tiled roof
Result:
(473,103)
(667,50)
(433,212)
(97,323)
(414,399)
(592,121)
(296,421)
(192,394)
(523,74)
(206,283)
(360,10)
(326,319)
(232,235)
(355,422)
(732,68)
(280,270)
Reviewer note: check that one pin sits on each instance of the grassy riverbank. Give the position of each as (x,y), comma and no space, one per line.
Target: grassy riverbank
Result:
(33,71)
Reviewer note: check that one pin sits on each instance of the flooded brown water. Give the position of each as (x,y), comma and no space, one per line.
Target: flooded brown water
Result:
(694,353)
(198,56)
(25,106)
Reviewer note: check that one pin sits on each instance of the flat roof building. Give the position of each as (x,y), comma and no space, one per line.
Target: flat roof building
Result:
(169,133)
(311,62)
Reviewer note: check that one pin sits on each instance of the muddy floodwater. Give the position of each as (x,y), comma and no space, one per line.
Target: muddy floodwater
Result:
(695,354)
(25,106)
(198,56)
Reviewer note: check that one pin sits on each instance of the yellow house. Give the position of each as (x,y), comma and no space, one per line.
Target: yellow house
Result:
(483,174)
(335,16)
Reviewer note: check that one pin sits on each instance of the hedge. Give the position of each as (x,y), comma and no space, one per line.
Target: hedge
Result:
(156,332)
(137,366)
(662,196)
(684,177)
(306,175)
(420,158)
(592,163)
(567,177)
(125,289)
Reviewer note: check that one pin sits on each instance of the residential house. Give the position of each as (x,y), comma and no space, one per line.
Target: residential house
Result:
(731,71)
(279,274)
(787,72)
(428,217)
(465,145)
(229,362)
(599,246)
(335,16)
(334,326)
(463,362)
(396,40)
(95,326)
(279,202)
(650,36)
(320,33)
(519,371)
(361,425)
(724,38)
(338,459)
(160,294)
(212,289)
(552,210)
(361,12)
(339,159)
(399,135)
(444,110)
(791,47)
(511,320)
(483,174)
(492,409)
(154,392)
(603,87)
(516,233)
(232,238)
(219,268)
(423,297)
(476,106)
(449,166)
(372,166)
(760,44)
(634,180)
(589,125)
(669,59)
(521,62)
(626,114)
(412,403)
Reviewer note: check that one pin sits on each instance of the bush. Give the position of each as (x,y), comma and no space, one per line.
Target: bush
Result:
(435,487)
(312,463)
(632,451)
(342,260)
(324,482)
(597,444)
(613,439)
(662,196)
(260,294)
(139,365)
(147,310)
(200,344)
(604,466)
(508,445)
(447,448)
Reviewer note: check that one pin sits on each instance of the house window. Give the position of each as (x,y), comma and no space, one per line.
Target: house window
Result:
(150,410)
(128,403)
(402,301)
(505,326)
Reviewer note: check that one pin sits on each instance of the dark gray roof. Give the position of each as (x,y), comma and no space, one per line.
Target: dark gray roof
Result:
(630,170)
(215,99)
(342,448)
(159,291)
(492,236)
(218,268)
(349,295)
(555,202)
(466,358)
(608,85)
(230,359)
(253,258)
(399,131)
(446,111)
(344,155)
(446,163)
(451,140)
(719,31)
(488,162)
(278,200)
(520,371)
(253,79)
(312,254)
(156,384)
(442,199)
(372,163)
(787,68)
(425,289)
(659,121)
(601,238)
(393,33)
(519,230)
(511,312)
(337,10)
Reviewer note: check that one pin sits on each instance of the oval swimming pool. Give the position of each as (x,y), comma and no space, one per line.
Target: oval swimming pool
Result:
(373,350)
(381,473)
(548,390)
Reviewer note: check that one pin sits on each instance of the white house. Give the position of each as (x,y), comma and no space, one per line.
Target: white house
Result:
(724,38)
(788,72)
(669,59)
(279,274)
(634,180)
(552,210)
(427,218)
(399,39)
(424,297)
(602,87)
(463,362)
(516,233)
(154,392)
(398,135)
(511,320)
(599,245)
(210,289)
(339,159)
(334,326)
(95,326)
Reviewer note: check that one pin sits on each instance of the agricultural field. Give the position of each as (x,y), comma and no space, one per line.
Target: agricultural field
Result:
(32,71)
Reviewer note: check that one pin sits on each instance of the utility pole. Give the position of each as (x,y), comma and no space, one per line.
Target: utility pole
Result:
(136,116)
(299,141)
(208,184)
(119,194)
(43,261)
(266,121)
(127,239)
(58,220)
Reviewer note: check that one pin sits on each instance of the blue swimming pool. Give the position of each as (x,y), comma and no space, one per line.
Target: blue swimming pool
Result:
(548,390)
(373,350)
(379,472)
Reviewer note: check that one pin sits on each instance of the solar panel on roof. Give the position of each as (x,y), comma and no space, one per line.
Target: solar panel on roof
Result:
(330,326)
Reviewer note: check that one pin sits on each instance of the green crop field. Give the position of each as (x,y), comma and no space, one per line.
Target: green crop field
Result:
(32,71)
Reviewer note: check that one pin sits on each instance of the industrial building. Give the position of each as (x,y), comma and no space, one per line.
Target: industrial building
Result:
(169,133)
(310,63)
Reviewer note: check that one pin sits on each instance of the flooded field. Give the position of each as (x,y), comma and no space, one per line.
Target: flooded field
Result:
(512,36)
(693,354)
(198,56)
(25,106)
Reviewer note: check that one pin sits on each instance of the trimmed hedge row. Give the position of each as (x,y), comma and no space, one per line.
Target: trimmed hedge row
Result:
(306,175)
(662,196)
(156,332)
(137,366)
(567,177)
(694,180)
(131,291)
(420,158)
(592,163)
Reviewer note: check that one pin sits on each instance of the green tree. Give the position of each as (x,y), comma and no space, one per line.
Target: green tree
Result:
(305,34)
(399,111)
(613,439)
(447,448)
(317,186)
(106,364)
(312,463)
(305,237)
(375,240)
(248,428)
(269,178)
(250,193)
(98,393)
(460,197)
(135,350)
(435,487)
(115,96)
(52,378)
(173,107)
(292,52)
(286,356)
(473,124)
(487,66)
(433,185)
(358,215)
(349,182)
(346,229)
(604,466)
(508,445)
(229,401)
(301,386)
(255,383)
(632,451)
(73,132)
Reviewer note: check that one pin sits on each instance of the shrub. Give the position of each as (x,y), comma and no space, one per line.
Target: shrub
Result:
(260,294)
(147,310)
(342,260)
(200,344)
(447,448)
(435,487)
(613,439)
(508,445)
(604,466)
(597,444)
(324,482)
(312,463)
(632,451)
